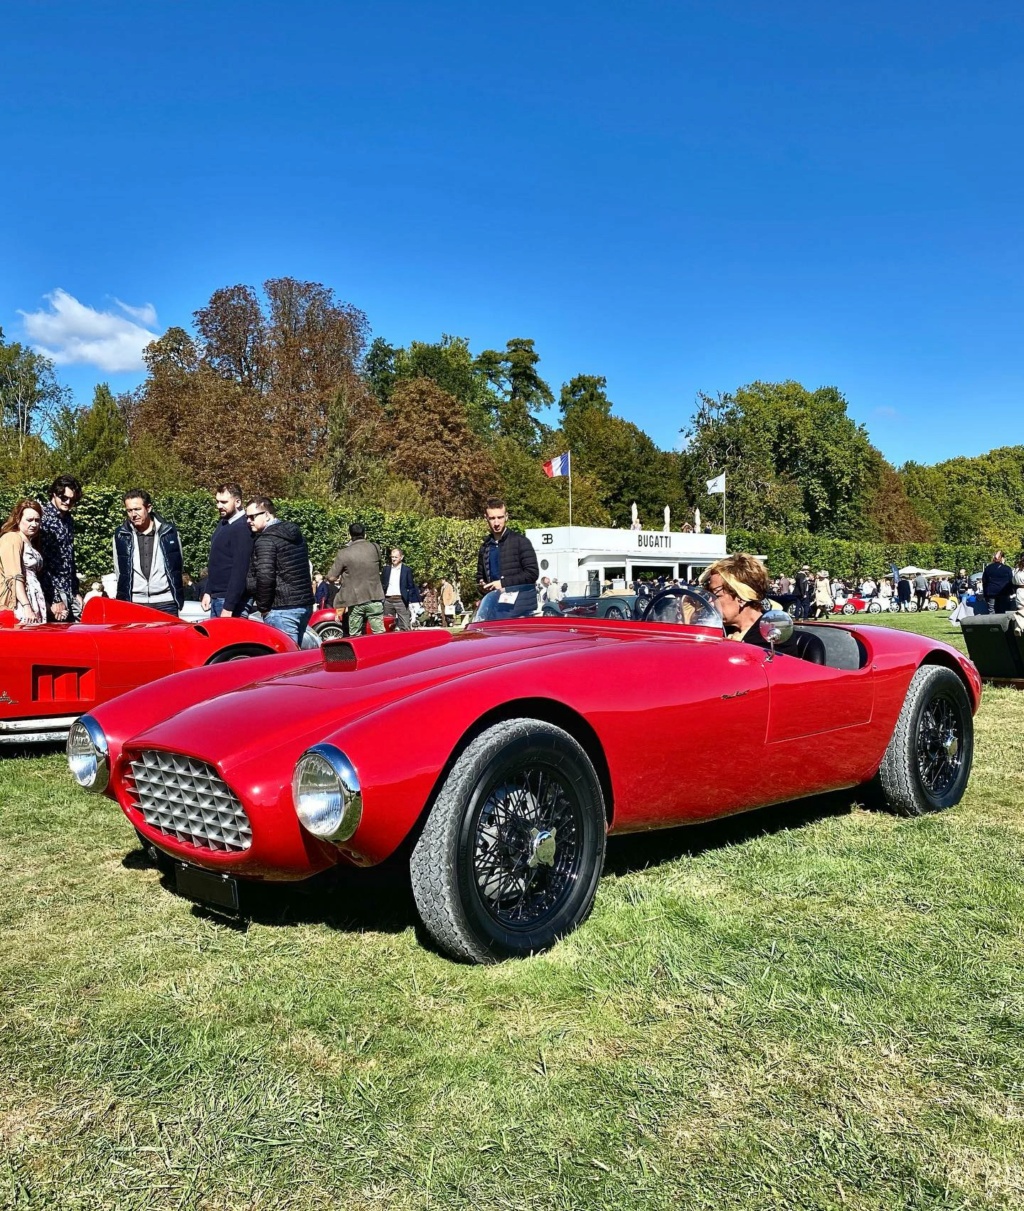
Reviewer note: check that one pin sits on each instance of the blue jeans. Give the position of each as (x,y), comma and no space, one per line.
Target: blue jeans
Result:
(216,607)
(291,622)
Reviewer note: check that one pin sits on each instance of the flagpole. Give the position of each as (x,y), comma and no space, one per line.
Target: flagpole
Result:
(570,487)
(725,528)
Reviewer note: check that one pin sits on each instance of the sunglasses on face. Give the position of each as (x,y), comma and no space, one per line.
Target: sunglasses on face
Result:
(253,516)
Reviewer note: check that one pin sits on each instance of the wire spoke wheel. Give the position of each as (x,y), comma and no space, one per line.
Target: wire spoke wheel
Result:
(512,850)
(527,847)
(940,746)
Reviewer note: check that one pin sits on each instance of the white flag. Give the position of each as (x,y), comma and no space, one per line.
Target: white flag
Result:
(716,487)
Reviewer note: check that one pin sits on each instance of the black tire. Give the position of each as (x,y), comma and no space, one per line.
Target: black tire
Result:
(928,761)
(330,630)
(512,852)
(240,651)
(615,612)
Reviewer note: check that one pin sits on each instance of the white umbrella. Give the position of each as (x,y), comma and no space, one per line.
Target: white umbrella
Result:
(634,513)
(912,570)
(668,519)
(696,520)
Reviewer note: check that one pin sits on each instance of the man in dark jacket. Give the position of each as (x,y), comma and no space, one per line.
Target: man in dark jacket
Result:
(280,579)
(399,590)
(507,560)
(230,556)
(147,557)
(356,568)
(997,584)
(56,540)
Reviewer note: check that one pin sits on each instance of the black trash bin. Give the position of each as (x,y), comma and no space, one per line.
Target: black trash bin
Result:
(994,646)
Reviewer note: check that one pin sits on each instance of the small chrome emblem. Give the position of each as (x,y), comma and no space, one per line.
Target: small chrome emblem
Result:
(6,699)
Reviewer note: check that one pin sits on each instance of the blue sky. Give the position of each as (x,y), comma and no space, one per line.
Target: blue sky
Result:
(679,196)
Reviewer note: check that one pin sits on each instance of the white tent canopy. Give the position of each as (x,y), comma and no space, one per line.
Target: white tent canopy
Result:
(912,570)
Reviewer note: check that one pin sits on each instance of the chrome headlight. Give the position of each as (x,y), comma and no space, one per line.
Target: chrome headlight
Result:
(88,755)
(326,793)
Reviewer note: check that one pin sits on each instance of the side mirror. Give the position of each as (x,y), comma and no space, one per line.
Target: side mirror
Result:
(775,627)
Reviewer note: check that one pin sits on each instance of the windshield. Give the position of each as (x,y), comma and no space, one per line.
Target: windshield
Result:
(518,601)
(682,607)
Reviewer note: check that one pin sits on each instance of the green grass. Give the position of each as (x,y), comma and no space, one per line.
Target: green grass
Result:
(816,1006)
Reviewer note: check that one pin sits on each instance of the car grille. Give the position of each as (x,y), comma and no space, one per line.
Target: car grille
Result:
(188,800)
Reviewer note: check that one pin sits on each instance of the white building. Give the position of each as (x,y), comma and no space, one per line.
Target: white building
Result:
(584,557)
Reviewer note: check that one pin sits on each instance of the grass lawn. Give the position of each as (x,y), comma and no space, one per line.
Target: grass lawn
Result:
(814,1006)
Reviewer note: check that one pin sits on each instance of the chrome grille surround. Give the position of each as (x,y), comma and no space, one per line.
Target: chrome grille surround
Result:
(188,800)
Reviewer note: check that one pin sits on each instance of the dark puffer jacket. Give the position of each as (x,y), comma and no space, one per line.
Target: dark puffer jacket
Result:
(518,560)
(279,577)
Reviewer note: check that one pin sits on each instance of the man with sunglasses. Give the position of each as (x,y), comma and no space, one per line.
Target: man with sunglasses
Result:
(59,577)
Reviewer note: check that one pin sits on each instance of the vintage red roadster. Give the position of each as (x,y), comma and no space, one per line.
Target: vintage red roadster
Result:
(500,757)
(51,674)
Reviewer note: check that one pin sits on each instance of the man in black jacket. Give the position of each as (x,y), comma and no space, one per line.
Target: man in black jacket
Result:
(507,560)
(997,584)
(230,556)
(280,579)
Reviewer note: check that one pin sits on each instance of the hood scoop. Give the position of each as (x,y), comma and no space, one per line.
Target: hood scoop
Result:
(347,655)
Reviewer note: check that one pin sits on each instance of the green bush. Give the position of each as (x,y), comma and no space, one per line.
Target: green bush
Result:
(855,558)
(433,546)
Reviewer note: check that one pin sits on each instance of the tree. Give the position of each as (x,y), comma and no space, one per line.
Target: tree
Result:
(793,459)
(433,446)
(517,389)
(92,443)
(30,396)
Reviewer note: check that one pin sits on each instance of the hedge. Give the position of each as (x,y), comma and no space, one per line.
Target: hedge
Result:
(445,546)
(433,546)
(855,558)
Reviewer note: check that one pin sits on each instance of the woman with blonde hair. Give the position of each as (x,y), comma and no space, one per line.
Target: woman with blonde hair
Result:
(21,563)
(824,602)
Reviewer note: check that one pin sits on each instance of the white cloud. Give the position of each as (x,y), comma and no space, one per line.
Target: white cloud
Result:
(71,333)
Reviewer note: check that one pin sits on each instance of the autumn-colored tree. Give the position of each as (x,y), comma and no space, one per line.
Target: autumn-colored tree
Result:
(433,446)
(891,513)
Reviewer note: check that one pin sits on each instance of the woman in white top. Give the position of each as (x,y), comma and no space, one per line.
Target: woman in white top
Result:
(21,563)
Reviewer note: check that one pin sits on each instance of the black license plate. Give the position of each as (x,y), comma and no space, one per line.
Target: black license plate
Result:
(206,887)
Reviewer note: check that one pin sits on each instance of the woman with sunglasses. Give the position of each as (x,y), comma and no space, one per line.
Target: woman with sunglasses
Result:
(20,563)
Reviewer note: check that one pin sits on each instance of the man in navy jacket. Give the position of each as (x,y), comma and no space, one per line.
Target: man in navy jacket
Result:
(997,584)
(230,556)
(399,590)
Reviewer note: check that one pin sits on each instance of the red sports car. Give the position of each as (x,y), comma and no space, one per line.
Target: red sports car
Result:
(50,674)
(504,754)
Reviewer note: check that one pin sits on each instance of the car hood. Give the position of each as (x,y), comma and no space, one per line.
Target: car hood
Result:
(354,679)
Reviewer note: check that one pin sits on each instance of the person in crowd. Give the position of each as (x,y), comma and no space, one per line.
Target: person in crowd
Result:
(739,586)
(507,560)
(56,543)
(920,590)
(904,592)
(399,590)
(230,556)
(1018,594)
(191,588)
(997,584)
(885,592)
(785,585)
(804,590)
(21,563)
(823,599)
(868,587)
(279,580)
(944,587)
(147,556)
(95,590)
(322,590)
(961,585)
(431,604)
(356,568)
(449,602)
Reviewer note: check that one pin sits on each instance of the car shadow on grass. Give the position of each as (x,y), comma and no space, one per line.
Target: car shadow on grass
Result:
(380,899)
(377,900)
(637,851)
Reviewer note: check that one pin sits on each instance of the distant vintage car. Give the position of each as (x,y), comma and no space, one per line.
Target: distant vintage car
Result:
(503,755)
(608,605)
(328,624)
(51,674)
(856,604)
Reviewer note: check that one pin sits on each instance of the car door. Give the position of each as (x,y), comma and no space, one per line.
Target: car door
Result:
(816,721)
(48,671)
(131,654)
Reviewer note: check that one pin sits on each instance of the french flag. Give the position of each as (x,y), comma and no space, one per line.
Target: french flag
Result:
(555,467)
